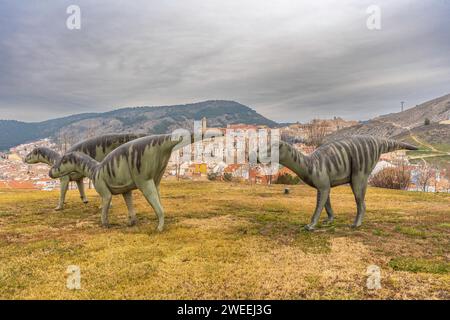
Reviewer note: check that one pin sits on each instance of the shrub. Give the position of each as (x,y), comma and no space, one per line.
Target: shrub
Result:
(213,176)
(287,179)
(227,177)
(392,178)
(427,122)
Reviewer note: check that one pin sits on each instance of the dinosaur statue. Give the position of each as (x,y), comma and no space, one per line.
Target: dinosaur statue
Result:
(349,160)
(50,157)
(97,148)
(138,164)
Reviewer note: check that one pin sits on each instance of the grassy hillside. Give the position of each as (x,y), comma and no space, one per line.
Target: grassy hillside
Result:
(433,142)
(434,135)
(225,241)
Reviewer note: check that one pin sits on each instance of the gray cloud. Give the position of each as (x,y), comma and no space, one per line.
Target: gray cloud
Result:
(289,60)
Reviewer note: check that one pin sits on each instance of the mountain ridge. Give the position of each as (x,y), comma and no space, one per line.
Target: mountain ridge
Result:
(141,119)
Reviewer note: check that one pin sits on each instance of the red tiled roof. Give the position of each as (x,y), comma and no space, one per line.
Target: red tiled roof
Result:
(4,184)
(20,185)
(232,167)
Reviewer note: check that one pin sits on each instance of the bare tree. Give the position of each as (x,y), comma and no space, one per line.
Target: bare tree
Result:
(65,140)
(446,171)
(316,132)
(90,132)
(426,172)
(436,178)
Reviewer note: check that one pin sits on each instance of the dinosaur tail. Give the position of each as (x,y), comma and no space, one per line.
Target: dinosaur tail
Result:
(407,146)
(392,145)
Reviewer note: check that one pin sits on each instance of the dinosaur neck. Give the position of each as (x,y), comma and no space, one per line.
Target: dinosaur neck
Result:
(47,161)
(295,161)
(49,156)
(86,166)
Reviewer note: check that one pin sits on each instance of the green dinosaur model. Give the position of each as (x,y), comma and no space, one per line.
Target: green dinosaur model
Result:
(349,160)
(97,148)
(138,164)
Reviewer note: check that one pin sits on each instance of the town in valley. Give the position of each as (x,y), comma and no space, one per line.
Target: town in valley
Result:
(16,174)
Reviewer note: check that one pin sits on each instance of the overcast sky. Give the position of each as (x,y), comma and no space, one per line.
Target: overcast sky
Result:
(289,60)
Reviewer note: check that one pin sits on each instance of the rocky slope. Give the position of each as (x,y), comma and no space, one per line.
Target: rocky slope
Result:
(400,124)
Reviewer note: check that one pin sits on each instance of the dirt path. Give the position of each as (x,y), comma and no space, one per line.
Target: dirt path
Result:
(429,146)
(437,153)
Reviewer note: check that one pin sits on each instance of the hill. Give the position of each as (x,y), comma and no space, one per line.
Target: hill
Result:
(433,139)
(14,132)
(435,134)
(398,124)
(239,242)
(148,120)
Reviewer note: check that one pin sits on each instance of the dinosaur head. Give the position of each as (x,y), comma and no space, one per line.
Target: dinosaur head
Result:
(32,157)
(39,155)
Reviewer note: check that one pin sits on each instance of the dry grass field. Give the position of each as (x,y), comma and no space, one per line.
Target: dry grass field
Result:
(225,241)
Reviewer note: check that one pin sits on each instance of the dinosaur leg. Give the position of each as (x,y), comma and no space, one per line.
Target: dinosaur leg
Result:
(158,186)
(322,196)
(359,187)
(329,210)
(158,189)
(128,197)
(110,205)
(150,192)
(80,185)
(106,201)
(106,196)
(64,184)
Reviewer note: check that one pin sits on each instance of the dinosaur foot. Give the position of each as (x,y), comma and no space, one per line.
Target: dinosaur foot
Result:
(328,221)
(309,227)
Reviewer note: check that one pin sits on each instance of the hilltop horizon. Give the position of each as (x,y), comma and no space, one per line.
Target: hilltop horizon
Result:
(305,120)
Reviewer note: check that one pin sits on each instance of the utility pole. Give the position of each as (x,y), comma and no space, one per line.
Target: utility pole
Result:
(402,103)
